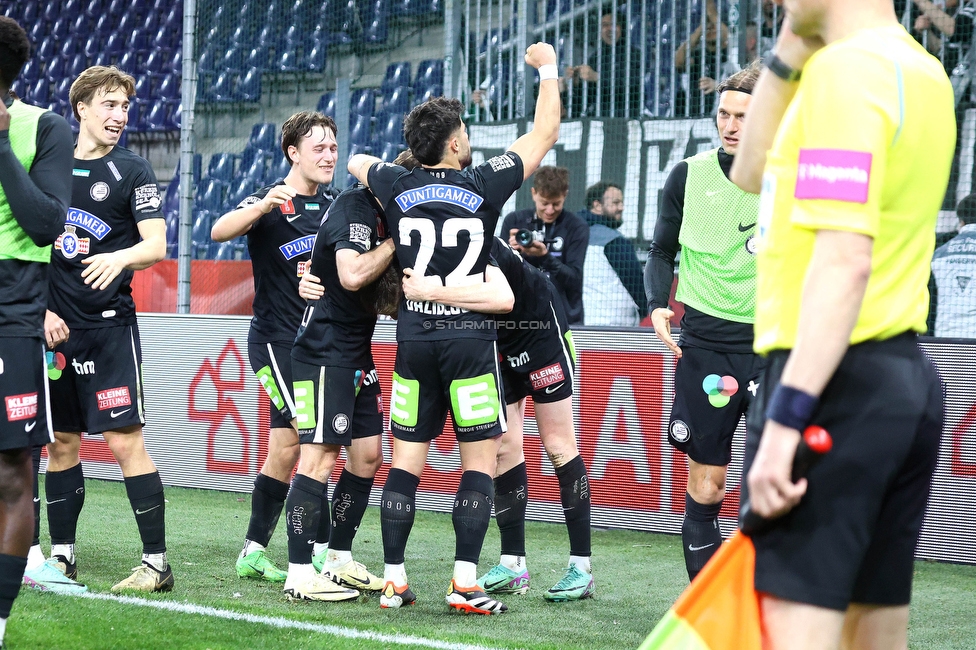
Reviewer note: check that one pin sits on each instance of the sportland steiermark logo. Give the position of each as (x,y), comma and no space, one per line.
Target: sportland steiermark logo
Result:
(720,389)
(55,365)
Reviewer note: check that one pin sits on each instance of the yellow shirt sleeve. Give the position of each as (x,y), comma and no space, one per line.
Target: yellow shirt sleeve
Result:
(849,115)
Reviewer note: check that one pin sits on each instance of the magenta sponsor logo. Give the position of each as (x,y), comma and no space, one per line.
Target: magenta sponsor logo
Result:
(835,174)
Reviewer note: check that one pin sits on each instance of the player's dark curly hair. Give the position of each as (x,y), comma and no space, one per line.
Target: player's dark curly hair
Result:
(300,125)
(428,128)
(15,50)
(551,182)
(596,191)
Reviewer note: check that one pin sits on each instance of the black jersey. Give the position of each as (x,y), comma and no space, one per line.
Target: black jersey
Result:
(533,293)
(280,245)
(337,329)
(109,197)
(442,221)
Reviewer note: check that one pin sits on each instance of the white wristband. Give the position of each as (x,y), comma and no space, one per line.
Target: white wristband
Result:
(548,71)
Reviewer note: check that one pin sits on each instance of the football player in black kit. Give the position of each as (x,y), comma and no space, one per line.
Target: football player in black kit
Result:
(281,221)
(114,227)
(441,217)
(337,394)
(35,187)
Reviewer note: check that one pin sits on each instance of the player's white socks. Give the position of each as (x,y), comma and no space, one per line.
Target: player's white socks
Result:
(582,562)
(156,561)
(300,571)
(318,548)
(465,573)
(395,573)
(514,563)
(336,559)
(3,628)
(67,551)
(249,547)
(35,557)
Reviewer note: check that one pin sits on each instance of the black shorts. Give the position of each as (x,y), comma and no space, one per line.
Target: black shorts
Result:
(541,364)
(271,363)
(852,538)
(99,386)
(430,377)
(334,405)
(24,391)
(712,390)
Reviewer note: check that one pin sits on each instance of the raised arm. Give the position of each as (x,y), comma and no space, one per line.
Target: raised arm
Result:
(493,296)
(237,222)
(359,166)
(534,145)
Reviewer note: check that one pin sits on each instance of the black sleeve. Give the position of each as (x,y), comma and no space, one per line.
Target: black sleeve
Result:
(623,258)
(499,178)
(566,272)
(507,224)
(354,223)
(145,201)
(659,271)
(381,177)
(39,199)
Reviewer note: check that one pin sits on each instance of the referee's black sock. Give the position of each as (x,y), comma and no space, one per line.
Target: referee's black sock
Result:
(700,534)
(511,496)
(574,492)
(303,510)
(349,503)
(472,512)
(146,498)
(267,500)
(397,510)
(65,492)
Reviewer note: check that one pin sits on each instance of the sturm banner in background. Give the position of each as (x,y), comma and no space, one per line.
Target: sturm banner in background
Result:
(207,425)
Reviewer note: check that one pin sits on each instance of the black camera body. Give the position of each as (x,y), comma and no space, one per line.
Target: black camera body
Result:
(526,237)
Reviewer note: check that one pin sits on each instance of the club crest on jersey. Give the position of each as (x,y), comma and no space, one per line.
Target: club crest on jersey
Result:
(70,244)
(297,247)
(89,222)
(439,194)
(100,191)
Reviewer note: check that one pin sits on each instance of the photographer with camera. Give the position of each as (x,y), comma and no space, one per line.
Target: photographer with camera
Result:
(552,239)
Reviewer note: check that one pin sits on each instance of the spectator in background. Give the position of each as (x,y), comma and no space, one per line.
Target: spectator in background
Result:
(703,70)
(613,286)
(949,29)
(752,42)
(954,271)
(608,65)
(772,21)
(559,238)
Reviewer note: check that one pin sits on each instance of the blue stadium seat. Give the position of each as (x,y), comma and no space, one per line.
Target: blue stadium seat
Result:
(176,62)
(116,7)
(55,67)
(346,29)
(104,25)
(128,22)
(281,167)
(268,36)
(60,88)
(429,72)
(28,15)
(169,87)
(363,102)
(138,40)
(258,58)
(302,14)
(200,235)
(156,117)
(389,128)
(114,44)
(397,74)
(249,86)
(93,8)
(376,22)
(263,137)
(359,131)
(40,92)
(144,87)
(36,31)
(435,90)
(205,61)
(71,7)
(50,12)
(233,60)
(257,171)
(164,38)
(157,63)
(396,100)
(103,58)
(315,59)
(210,194)
(221,166)
(135,123)
(175,117)
(390,150)
(240,189)
(72,44)
(228,250)
(289,60)
(31,70)
(80,24)
(48,48)
(416,7)
(326,104)
(248,155)
(171,197)
(76,65)
(223,89)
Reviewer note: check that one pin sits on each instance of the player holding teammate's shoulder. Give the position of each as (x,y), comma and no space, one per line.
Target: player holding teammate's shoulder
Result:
(114,227)
(850,139)
(442,218)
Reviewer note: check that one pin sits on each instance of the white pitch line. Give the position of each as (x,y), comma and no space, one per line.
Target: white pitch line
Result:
(285,623)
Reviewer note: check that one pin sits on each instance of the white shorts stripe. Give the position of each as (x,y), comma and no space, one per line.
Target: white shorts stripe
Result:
(320,408)
(283,387)
(140,406)
(570,362)
(501,397)
(47,395)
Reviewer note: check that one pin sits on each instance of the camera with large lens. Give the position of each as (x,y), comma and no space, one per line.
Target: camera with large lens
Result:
(526,236)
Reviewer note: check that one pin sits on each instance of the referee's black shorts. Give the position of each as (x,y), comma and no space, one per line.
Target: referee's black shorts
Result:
(852,538)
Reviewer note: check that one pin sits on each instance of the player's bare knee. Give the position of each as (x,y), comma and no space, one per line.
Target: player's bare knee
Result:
(65,452)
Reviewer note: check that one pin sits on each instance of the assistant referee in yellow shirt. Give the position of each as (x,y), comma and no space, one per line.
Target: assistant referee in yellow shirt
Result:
(850,141)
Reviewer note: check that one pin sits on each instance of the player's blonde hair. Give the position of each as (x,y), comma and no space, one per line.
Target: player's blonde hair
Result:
(99,79)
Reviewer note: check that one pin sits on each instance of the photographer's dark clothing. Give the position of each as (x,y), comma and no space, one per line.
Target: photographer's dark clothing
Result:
(566,238)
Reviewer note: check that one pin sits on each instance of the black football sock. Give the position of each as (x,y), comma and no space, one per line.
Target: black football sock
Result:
(700,534)
(267,500)
(574,492)
(303,509)
(348,507)
(511,497)
(65,492)
(146,497)
(11,575)
(36,466)
(472,512)
(397,511)
(324,530)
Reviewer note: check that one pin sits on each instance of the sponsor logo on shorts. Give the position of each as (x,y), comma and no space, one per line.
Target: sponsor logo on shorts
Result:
(835,174)
(340,423)
(56,363)
(438,193)
(113,398)
(100,191)
(679,431)
(547,376)
(520,360)
(88,221)
(114,414)
(83,367)
(552,389)
(21,407)
(720,389)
